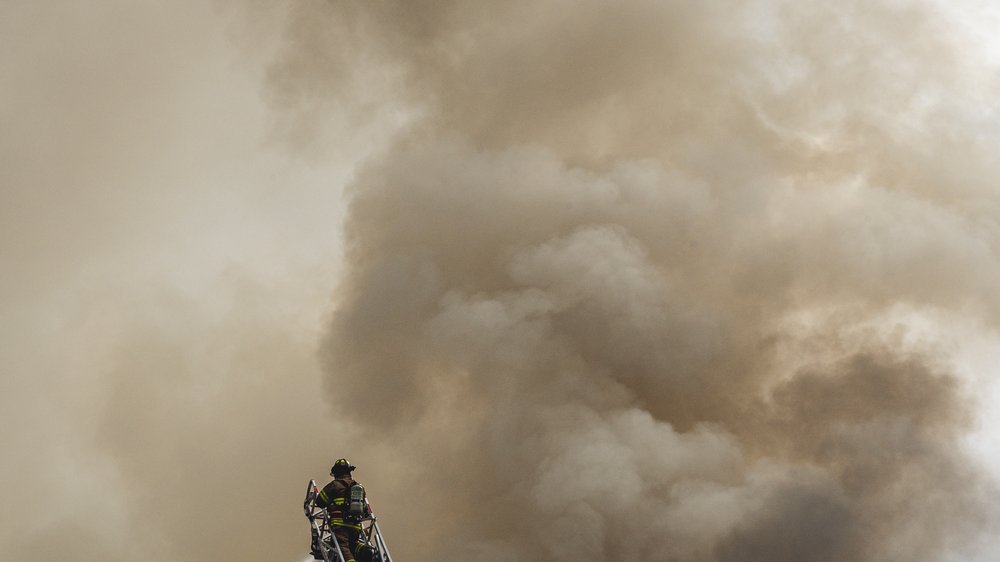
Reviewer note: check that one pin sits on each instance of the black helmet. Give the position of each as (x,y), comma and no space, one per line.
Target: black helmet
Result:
(342,466)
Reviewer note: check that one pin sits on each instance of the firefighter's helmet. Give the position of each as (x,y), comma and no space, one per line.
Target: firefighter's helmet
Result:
(342,466)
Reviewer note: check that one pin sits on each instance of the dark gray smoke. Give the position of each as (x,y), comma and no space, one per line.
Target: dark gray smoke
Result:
(640,281)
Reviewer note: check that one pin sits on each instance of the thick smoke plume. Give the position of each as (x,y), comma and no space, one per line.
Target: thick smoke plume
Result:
(640,280)
(671,280)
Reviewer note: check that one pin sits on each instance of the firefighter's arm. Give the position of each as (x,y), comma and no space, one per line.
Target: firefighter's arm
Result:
(323,499)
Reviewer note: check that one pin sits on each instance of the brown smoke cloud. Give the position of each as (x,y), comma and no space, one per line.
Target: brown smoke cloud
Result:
(663,281)
(640,280)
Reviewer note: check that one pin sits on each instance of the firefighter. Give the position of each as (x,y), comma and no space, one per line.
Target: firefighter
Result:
(345,518)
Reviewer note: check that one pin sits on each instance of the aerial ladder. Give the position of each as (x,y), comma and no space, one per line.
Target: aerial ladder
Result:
(324,542)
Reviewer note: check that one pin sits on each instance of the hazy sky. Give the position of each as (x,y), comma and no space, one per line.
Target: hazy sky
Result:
(167,268)
(566,279)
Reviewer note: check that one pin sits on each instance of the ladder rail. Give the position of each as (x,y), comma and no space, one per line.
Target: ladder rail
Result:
(319,520)
(383,548)
(379,539)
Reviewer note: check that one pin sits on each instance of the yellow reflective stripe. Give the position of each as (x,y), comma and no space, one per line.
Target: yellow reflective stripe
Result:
(339,501)
(322,494)
(338,522)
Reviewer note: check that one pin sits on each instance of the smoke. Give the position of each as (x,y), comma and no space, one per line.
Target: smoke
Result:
(665,280)
(646,281)
(165,275)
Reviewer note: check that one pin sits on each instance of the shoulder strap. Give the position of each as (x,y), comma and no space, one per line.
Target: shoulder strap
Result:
(347,488)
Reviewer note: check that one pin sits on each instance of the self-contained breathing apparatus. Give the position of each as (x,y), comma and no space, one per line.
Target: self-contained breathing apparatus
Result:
(356,507)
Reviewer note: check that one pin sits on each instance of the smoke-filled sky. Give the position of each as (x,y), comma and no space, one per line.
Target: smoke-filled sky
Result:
(667,281)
